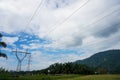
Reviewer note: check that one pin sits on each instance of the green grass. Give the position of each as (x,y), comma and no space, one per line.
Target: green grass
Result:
(98,77)
(64,77)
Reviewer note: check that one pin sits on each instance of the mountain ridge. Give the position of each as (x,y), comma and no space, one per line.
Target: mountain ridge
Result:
(108,60)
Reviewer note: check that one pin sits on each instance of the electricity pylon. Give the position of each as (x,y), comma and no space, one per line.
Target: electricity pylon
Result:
(29,62)
(20,59)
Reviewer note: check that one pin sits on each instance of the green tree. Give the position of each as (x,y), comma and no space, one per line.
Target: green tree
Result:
(69,68)
(2,44)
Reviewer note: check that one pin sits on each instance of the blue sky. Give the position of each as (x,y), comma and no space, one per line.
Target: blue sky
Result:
(60,30)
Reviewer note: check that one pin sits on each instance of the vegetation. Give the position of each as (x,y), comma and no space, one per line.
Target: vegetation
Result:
(104,62)
(60,69)
(2,44)
(3,73)
(69,68)
(100,63)
(63,77)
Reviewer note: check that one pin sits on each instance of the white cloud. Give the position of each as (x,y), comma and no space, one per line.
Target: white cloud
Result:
(83,30)
(10,40)
(31,46)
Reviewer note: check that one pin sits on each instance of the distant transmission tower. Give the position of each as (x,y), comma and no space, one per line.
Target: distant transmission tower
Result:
(20,59)
(29,62)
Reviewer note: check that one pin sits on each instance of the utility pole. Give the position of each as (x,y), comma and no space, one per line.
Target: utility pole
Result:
(20,59)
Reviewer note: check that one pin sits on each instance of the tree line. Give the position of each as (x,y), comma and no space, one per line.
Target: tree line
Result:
(65,68)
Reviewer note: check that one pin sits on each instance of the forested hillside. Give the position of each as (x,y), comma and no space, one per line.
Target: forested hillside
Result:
(107,60)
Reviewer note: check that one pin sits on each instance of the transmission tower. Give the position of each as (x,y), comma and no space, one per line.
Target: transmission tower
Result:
(20,59)
(29,62)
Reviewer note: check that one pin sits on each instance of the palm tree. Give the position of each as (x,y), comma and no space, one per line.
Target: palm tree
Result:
(2,44)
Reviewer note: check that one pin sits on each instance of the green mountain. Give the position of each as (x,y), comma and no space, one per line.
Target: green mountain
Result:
(108,61)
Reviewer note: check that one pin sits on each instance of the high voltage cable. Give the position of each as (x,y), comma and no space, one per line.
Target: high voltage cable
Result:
(62,22)
(65,18)
(108,14)
(116,10)
(100,31)
(94,41)
(95,22)
(35,12)
(92,23)
(32,17)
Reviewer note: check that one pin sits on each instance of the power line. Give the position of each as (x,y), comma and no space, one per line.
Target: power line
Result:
(94,41)
(35,12)
(62,22)
(94,22)
(90,25)
(32,17)
(104,16)
(86,25)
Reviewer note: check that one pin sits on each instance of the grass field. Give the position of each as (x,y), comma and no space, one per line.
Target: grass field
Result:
(64,77)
